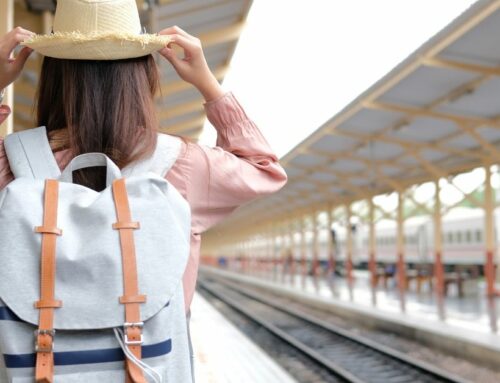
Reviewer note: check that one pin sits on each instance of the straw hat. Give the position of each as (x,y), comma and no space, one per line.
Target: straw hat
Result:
(96,30)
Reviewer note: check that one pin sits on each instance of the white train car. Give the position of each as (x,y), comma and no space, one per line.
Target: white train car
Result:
(462,238)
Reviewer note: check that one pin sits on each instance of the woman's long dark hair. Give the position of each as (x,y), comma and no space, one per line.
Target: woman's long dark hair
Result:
(99,106)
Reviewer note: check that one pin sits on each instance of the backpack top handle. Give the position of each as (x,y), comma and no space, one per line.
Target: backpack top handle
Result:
(87,160)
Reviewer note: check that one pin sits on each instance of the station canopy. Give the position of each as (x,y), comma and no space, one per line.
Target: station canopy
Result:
(436,114)
(217,23)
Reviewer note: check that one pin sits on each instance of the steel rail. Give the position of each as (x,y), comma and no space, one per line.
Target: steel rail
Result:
(417,365)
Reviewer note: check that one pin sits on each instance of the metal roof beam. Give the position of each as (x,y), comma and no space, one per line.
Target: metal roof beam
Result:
(415,112)
(450,64)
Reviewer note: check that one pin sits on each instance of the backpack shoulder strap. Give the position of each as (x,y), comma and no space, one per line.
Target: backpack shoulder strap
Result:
(166,153)
(29,154)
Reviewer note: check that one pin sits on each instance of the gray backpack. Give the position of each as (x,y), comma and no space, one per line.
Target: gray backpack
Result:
(91,282)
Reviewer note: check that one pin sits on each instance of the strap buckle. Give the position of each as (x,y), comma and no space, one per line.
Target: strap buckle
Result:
(139,325)
(39,332)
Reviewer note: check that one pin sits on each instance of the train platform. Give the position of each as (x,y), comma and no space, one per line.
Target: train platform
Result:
(461,326)
(224,355)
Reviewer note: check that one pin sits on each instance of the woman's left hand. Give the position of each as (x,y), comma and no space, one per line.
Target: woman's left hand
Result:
(193,67)
(11,67)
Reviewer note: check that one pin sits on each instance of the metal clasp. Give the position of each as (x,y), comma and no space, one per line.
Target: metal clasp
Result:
(133,324)
(51,333)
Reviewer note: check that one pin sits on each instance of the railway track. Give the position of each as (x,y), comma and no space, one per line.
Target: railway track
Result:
(341,353)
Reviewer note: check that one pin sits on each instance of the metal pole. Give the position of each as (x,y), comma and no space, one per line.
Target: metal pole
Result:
(47,21)
(330,247)
(275,253)
(291,241)
(283,255)
(303,249)
(371,243)
(489,230)
(6,25)
(315,244)
(438,241)
(269,253)
(349,250)
(400,244)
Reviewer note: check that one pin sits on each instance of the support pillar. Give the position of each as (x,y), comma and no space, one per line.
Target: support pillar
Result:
(47,22)
(283,255)
(303,250)
(349,245)
(438,241)
(275,254)
(6,25)
(489,231)
(330,247)
(269,253)
(291,252)
(372,264)
(401,267)
(315,245)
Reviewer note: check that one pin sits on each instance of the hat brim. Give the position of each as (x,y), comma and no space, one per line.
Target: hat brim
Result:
(111,46)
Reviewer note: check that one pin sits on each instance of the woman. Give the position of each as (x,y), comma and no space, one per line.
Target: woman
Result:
(213,180)
(97,105)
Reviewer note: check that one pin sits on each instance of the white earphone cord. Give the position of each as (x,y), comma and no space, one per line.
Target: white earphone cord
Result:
(143,366)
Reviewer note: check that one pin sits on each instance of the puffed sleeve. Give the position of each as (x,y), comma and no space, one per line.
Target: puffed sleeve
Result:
(239,168)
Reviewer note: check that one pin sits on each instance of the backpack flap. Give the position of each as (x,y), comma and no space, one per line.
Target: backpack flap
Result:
(89,279)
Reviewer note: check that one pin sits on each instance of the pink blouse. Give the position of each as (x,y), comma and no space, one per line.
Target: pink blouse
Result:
(214,181)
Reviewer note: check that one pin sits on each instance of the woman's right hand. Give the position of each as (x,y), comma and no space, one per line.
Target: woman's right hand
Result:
(11,67)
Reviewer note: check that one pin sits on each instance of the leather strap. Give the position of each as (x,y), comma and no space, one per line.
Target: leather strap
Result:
(44,343)
(131,297)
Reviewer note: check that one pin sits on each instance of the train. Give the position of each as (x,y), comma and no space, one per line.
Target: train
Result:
(463,240)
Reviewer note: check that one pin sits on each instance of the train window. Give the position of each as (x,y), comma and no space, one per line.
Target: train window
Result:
(468,236)
(450,237)
(459,236)
(479,236)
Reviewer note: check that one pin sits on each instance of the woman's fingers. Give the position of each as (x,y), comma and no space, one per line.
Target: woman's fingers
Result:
(176,30)
(191,47)
(10,66)
(4,113)
(12,40)
(21,58)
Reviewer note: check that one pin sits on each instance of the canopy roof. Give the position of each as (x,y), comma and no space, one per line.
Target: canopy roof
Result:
(435,114)
(218,23)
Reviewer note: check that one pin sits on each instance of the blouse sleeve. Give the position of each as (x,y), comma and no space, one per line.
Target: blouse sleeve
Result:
(240,168)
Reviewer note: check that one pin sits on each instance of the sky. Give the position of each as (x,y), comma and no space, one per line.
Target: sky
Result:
(298,63)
